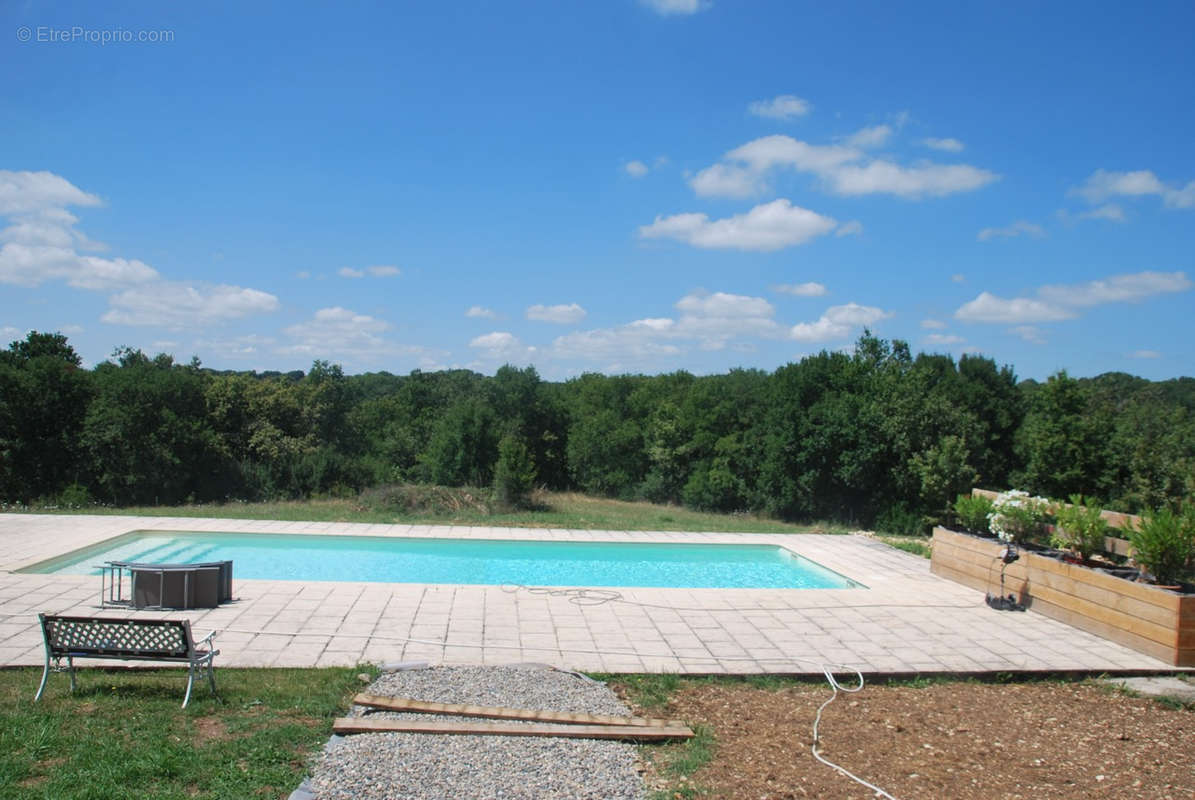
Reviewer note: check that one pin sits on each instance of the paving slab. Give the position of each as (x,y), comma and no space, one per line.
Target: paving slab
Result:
(900,620)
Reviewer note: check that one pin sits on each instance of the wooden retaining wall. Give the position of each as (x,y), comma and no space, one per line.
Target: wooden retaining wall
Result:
(1154,621)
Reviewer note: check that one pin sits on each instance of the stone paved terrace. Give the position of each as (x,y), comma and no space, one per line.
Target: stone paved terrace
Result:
(905,621)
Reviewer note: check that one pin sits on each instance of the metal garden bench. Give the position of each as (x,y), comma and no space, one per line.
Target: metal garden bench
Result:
(125,639)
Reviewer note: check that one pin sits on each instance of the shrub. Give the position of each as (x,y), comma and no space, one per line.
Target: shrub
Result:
(409,498)
(1017,517)
(514,475)
(972,512)
(1162,544)
(1080,527)
(74,496)
(899,521)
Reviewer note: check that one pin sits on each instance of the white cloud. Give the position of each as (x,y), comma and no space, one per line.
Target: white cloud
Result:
(810,289)
(379,271)
(947,145)
(24,265)
(502,346)
(988,307)
(179,305)
(852,228)
(943,339)
(238,347)
(722,304)
(843,169)
(727,180)
(708,320)
(1117,289)
(560,314)
(341,334)
(770,152)
(837,322)
(31,192)
(958,277)
(41,242)
(874,136)
(1018,228)
(1145,354)
(480,312)
(1108,211)
(921,180)
(1059,302)
(933,324)
(669,8)
(1029,333)
(784,106)
(1103,184)
(764,228)
(1181,198)
(636,169)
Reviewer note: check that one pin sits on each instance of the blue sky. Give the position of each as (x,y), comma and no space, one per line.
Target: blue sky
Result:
(618,186)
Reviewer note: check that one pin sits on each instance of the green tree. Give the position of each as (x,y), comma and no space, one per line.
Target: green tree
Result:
(1063,443)
(147,434)
(514,474)
(44,398)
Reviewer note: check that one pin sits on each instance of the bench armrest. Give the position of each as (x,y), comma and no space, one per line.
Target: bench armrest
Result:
(208,640)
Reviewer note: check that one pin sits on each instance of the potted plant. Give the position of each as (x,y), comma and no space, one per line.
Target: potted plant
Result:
(972,512)
(1018,516)
(1163,544)
(1080,528)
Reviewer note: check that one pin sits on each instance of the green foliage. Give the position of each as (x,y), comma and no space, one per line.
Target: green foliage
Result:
(1064,441)
(835,436)
(1018,517)
(973,512)
(1163,543)
(514,475)
(1080,527)
(943,472)
(899,521)
(463,446)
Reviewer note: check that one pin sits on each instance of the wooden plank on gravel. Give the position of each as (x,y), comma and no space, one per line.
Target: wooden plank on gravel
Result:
(636,732)
(498,712)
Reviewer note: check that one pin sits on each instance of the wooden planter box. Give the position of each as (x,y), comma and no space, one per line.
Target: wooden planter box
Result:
(1154,621)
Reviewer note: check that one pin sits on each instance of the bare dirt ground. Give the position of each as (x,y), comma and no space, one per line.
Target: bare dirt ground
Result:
(954,740)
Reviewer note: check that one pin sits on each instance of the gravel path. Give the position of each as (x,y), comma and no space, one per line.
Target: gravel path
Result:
(406,766)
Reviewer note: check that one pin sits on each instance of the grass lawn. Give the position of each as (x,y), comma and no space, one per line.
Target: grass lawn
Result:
(560,510)
(123,735)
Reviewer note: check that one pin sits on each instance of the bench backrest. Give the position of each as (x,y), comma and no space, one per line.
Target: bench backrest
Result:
(96,636)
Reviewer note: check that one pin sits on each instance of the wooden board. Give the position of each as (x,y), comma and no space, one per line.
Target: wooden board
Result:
(346,725)
(498,712)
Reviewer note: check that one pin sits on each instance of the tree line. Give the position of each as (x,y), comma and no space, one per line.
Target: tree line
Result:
(877,434)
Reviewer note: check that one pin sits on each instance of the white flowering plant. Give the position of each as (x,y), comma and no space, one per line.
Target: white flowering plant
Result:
(1017,515)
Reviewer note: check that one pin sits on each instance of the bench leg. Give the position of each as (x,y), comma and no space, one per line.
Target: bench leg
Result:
(211,677)
(190,683)
(45,676)
(70,663)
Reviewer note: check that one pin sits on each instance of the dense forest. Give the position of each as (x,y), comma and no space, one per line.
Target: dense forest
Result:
(878,434)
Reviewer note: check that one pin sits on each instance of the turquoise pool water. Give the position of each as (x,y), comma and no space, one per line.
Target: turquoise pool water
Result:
(469,561)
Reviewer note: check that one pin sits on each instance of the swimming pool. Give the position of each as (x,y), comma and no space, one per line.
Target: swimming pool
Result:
(463,561)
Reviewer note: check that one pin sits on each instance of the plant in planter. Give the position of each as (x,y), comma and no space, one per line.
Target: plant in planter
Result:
(972,512)
(1018,516)
(1163,543)
(1080,528)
